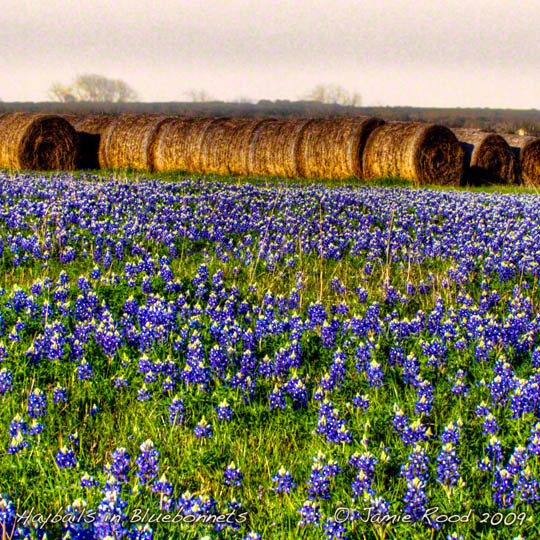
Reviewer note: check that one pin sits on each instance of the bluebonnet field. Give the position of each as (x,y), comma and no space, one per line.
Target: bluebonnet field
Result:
(205,359)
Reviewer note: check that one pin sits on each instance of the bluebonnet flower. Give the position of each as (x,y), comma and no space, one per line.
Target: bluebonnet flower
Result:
(65,457)
(203,428)
(276,398)
(534,440)
(415,499)
(448,466)
(59,394)
(37,404)
(310,513)
(283,480)
(334,530)
(527,486)
(232,476)
(374,374)
(18,424)
(6,381)
(165,490)
(452,432)
(224,411)
(493,455)
(144,393)
(460,388)
(490,425)
(176,411)
(147,462)
(361,401)
(321,473)
(504,487)
(141,532)
(331,424)
(88,481)
(35,428)
(84,370)
(119,466)
(17,443)
(111,518)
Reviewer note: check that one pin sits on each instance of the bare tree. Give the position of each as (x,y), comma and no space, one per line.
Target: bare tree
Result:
(93,87)
(198,96)
(332,93)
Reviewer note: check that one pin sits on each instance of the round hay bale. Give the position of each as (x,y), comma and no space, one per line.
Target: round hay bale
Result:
(333,148)
(128,141)
(90,127)
(222,145)
(42,142)
(241,145)
(488,157)
(527,153)
(179,143)
(423,153)
(275,148)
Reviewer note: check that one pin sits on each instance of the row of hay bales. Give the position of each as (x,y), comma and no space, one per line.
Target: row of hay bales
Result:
(360,147)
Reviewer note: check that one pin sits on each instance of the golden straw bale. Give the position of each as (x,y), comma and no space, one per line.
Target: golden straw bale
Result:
(219,151)
(423,153)
(240,149)
(179,143)
(275,148)
(333,148)
(488,157)
(128,142)
(42,142)
(527,153)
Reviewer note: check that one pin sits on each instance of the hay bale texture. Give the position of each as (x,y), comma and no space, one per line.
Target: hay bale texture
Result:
(527,153)
(128,142)
(95,124)
(488,157)
(72,118)
(90,128)
(225,148)
(179,144)
(276,148)
(242,144)
(333,148)
(41,142)
(423,153)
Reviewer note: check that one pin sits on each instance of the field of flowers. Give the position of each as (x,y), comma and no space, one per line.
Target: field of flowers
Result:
(231,360)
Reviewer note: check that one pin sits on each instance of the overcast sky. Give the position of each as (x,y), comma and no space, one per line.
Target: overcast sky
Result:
(443,53)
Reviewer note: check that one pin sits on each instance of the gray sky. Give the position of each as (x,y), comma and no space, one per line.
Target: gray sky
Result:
(444,53)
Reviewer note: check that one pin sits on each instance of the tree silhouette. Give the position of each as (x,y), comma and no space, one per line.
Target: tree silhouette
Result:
(199,96)
(93,87)
(332,93)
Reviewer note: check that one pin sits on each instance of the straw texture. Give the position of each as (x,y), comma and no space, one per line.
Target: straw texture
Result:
(37,142)
(128,142)
(276,148)
(527,153)
(333,148)
(423,153)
